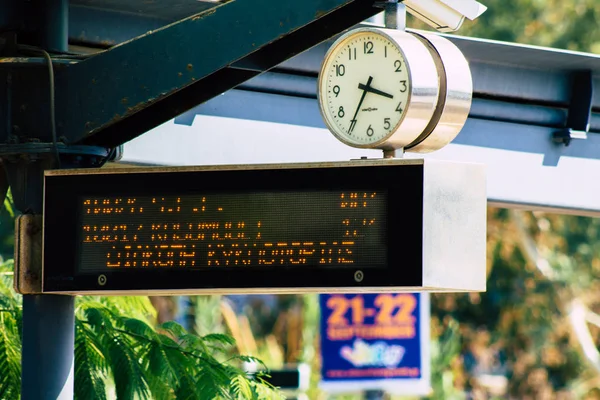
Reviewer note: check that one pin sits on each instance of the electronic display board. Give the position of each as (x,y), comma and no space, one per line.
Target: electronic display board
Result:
(289,228)
(258,228)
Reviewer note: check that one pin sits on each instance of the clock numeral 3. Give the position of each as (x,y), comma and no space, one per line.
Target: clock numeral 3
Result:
(386,123)
(368,47)
(341,112)
(340,70)
(370,131)
(404,87)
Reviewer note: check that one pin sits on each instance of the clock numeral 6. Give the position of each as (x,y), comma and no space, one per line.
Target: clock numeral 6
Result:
(340,69)
(341,112)
(386,123)
(370,131)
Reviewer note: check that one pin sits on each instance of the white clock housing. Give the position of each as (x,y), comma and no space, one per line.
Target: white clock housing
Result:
(389,89)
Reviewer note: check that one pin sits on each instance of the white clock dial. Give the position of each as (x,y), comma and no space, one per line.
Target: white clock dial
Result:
(378,88)
(365,88)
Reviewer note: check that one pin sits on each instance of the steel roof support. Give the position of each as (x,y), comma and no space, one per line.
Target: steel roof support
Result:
(101,100)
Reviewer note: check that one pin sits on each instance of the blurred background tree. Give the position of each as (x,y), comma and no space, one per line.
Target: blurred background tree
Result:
(570,25)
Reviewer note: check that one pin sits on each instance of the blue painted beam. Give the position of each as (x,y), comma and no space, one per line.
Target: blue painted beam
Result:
(119,94)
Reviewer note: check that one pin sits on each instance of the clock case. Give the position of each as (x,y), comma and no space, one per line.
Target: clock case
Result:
(440,91)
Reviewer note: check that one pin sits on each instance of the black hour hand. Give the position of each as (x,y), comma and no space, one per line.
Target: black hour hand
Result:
(368,88)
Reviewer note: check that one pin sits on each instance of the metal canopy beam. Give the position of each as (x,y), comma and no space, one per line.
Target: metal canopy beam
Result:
(119,94)
(514,84)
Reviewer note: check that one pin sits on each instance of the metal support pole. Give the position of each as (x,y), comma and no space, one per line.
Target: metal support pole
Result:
(52,29)
(48,347)
(48,321)
(374,395)
(395,15)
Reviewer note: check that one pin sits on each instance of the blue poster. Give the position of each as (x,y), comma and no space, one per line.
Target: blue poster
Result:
(375,341)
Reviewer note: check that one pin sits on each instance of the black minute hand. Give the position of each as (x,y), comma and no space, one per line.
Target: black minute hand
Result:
(368,88)
(362,98)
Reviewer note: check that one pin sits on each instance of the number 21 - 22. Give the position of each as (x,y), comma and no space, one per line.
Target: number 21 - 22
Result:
(389,309)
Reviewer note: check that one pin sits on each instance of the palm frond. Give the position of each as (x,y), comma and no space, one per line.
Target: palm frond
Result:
(241,388)
(10,357)
(128,375)
(163,375)
(138,307)
(173,328)
(90,364)
(120,352)
(263,390)
(219,338)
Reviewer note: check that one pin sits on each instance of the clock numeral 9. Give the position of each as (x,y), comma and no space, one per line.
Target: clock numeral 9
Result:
(336,90)
(341,112)
(386,123)
(370,131)
(398,65)
(368,47)
(340,69)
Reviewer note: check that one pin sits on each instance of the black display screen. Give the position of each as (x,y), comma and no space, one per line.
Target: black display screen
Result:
(255,229)
(258,229)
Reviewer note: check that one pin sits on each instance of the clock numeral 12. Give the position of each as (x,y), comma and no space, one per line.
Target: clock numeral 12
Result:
(368,47)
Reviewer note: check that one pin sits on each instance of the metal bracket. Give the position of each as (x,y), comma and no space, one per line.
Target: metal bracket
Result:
(28,254)
(580,109)
(25,164)
(394,14)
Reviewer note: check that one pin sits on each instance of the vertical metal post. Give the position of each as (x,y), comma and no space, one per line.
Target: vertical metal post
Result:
(48,321)
(395,15)
(48,347)
(52,31)
(47,362)
(374,395)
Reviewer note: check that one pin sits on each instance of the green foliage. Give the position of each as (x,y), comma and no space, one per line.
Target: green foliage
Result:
(117,351)
(445,350)
(10,335)
(560,24)
(10,340)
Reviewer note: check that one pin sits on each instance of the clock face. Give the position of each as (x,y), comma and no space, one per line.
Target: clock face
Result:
(364,88)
